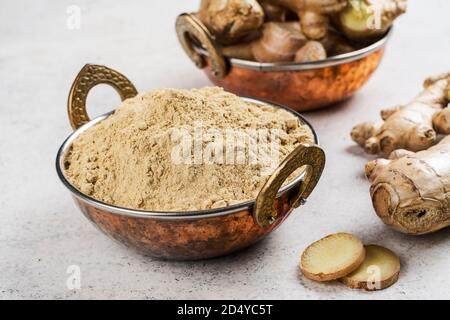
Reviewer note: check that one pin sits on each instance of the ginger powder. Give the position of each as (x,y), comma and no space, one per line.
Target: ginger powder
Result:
(183,150)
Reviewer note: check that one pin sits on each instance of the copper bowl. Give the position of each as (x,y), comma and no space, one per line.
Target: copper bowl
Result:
(195,234)
(300,86)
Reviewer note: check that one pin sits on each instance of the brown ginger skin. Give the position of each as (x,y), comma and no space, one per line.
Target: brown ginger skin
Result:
(273,12)
(236,23)
(313,14)
(279,42)
(285,41)
(411,191)
(311,51)
(231,20)
(414,126)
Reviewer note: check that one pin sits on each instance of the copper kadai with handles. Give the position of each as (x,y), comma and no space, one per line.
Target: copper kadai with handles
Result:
(300,86)
(195,234)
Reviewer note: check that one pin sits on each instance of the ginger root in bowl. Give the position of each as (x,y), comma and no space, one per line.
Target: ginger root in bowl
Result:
(296,30)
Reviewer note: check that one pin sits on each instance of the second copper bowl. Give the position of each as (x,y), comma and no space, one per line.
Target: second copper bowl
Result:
(300,86)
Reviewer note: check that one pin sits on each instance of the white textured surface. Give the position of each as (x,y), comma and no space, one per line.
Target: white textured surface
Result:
(42,232)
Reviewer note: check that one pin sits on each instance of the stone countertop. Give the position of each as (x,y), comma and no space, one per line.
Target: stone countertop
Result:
(43,235)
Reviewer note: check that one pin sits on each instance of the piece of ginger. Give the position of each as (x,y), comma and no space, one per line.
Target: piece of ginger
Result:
(365,19)
(332,257)
(411,191)
(414,126)
(380,269)
(279,42)
(231,20)
(314,14)
(311,51)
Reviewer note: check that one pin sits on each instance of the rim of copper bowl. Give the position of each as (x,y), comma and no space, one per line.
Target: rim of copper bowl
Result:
(195,214)
(298,66)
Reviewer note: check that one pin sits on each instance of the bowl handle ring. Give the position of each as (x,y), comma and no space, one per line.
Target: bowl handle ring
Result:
(310,156)
(90,76)
(188,26)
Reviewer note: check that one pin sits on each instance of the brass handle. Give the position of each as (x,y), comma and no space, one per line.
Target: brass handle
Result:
(313,158)
(90,76)
(188,26)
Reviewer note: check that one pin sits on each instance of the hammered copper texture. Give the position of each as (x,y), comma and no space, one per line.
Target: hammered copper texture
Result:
(301,90)
(185,239)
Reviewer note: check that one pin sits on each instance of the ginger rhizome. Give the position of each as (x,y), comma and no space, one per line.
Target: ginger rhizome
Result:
(285,41)
(274,12)
(365,19)
(411,191)
(279,42)
(231,20)
(311,51)
(326,27)
(314,14)
(414,126)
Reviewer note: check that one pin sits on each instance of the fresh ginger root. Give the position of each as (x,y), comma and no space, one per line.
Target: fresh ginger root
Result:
(313,14)
(279,42)
(363,19)
(285,41)
(411,191)
(274,12)
(231,20)
(311,51)
(340,26)
(413,127)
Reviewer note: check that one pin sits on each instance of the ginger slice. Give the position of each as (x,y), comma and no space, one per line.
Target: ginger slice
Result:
(380,269)
(332,257)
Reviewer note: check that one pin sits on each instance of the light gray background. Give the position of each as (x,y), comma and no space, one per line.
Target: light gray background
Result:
(42,232)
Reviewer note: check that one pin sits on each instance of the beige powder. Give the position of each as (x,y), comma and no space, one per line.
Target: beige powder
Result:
(128,159)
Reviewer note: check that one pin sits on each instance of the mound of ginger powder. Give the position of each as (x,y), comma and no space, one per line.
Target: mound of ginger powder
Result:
(183,150)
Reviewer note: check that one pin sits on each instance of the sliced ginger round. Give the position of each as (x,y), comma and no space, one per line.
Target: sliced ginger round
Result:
(379,270)
(332,257)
